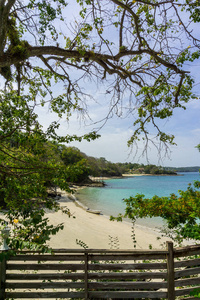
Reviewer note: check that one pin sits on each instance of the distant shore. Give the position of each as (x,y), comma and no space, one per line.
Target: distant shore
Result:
(115,177)
(101,178)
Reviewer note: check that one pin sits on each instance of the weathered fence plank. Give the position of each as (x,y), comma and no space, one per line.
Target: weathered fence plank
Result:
(48,257)
(187,272)
(128,285)
(186,251)
(130,295)
(74,267)
(126,276)
(99,251)
(46,276)
(54,295)
(186,291)
(45,285)
(126,257)
(187,263)
(72,257)
(136,266)
(185,282)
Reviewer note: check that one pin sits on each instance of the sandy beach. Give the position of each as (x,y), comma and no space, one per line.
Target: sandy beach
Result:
(97,231)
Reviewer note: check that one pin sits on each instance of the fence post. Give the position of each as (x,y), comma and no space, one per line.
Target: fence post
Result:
(4,248)
(86,275)
(170,271)
(2,278)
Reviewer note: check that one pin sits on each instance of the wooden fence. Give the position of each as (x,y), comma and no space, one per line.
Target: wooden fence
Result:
(102,274)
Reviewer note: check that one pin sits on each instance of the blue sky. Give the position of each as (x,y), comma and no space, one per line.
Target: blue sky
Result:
(184,124)
(112,145)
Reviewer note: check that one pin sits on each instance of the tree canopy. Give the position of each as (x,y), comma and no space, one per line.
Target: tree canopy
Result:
(181,211)
(138,49)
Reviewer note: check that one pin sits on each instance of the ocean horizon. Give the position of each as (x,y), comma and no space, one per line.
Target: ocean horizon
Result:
(109,199)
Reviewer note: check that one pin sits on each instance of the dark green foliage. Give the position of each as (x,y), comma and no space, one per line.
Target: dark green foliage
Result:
(30,164)
(101,167)
(71,155)
(136,168)
(181,212)
(75,161)
(184,169)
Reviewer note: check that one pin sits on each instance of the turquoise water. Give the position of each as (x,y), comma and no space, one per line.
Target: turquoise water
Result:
(109,198)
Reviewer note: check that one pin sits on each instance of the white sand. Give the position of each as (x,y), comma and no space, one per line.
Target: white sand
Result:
(94,230)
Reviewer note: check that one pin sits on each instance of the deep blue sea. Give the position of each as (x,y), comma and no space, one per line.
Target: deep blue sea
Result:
(109,198)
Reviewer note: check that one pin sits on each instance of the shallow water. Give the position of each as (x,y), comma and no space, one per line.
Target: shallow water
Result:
(109,198)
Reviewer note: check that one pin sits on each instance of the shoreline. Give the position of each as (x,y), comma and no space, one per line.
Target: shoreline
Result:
(100,179)
(107,216)
(98,232)
(87,209)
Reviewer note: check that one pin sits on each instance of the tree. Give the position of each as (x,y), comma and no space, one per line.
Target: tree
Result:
(181,212)
(138,62)
(78,164)
(29,165)
(71,155)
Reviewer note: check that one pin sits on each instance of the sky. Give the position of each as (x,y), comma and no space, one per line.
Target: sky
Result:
(184,124)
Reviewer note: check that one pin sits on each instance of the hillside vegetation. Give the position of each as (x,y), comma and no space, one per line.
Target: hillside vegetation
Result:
(185,169)
(100,167)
